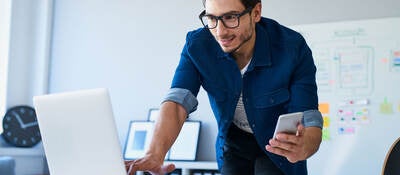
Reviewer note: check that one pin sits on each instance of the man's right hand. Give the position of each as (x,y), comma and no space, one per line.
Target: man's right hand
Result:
(166,130)
(148,164)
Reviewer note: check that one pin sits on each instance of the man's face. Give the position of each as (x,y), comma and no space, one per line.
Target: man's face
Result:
(232,39)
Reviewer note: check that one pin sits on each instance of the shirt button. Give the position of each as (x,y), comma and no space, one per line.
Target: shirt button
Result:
(271,100)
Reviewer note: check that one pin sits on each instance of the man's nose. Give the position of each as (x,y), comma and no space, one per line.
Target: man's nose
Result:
(220,29)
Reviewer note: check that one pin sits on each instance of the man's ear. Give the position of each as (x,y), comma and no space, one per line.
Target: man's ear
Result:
(257,12)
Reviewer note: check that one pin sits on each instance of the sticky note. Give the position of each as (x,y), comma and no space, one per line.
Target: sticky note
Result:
(324,108)
(327,121)
(326,135)
(386,107)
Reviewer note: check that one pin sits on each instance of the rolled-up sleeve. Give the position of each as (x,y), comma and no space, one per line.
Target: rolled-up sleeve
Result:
(183,97)
(312,118)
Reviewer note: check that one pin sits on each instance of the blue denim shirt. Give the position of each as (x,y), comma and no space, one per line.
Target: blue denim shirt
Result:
(280,79)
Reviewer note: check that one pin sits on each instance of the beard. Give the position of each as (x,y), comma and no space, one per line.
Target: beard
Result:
(243,38)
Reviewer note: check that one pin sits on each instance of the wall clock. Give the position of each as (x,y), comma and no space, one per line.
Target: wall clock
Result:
(20,127)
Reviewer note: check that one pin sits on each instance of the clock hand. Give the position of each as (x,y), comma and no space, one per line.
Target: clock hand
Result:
(21,123)
(30,124)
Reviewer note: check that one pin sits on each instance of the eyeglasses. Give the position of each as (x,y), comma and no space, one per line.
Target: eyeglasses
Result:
(229,20)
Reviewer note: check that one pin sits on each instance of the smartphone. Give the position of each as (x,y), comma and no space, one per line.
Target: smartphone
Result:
(288,123)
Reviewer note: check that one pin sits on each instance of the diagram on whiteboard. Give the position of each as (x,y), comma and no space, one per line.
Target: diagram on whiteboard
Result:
(358,78)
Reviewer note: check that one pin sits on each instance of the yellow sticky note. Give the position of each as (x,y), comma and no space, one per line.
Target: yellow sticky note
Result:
(327,121)
(386,107)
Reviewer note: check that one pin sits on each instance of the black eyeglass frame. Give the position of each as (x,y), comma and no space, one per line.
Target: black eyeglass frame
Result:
(220,18)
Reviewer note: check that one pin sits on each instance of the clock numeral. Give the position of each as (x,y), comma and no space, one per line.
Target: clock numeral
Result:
(8,118)
(15,139)
(9,134)
(24,142)
(5,126)
(33,139)
(22,110)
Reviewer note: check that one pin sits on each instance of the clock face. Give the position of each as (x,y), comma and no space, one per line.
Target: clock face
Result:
(21,127)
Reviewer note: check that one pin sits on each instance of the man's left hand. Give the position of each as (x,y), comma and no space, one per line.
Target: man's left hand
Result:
(296,147)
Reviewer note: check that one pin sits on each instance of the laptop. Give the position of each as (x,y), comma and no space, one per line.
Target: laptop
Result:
(79,133)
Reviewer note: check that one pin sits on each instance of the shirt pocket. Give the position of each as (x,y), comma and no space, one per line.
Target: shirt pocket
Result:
(271,99)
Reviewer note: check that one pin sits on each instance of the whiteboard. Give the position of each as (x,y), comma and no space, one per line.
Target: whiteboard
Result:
(358,77)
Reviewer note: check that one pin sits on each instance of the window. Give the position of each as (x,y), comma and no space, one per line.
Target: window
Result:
(5,16)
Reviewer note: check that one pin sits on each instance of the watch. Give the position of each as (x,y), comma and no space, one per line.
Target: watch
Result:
(20,126)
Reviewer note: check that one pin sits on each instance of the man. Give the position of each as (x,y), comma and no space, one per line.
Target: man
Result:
(253,70)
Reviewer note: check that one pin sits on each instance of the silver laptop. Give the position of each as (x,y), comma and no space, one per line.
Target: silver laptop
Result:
(79,133)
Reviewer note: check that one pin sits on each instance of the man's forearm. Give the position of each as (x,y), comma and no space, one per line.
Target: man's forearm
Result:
(167,127)
(313,138)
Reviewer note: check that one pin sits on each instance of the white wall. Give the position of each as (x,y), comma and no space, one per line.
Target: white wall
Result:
(5,15)
(132,47)
(29,48)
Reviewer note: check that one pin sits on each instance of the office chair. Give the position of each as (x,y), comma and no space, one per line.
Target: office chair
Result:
(391,165)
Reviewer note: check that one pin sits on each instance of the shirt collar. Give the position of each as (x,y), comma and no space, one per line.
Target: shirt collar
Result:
(262,50)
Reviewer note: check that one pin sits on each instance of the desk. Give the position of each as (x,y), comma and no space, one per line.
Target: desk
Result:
(28,161)
(187,166)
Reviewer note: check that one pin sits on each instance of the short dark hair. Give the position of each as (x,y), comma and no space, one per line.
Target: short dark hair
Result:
(247,3)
